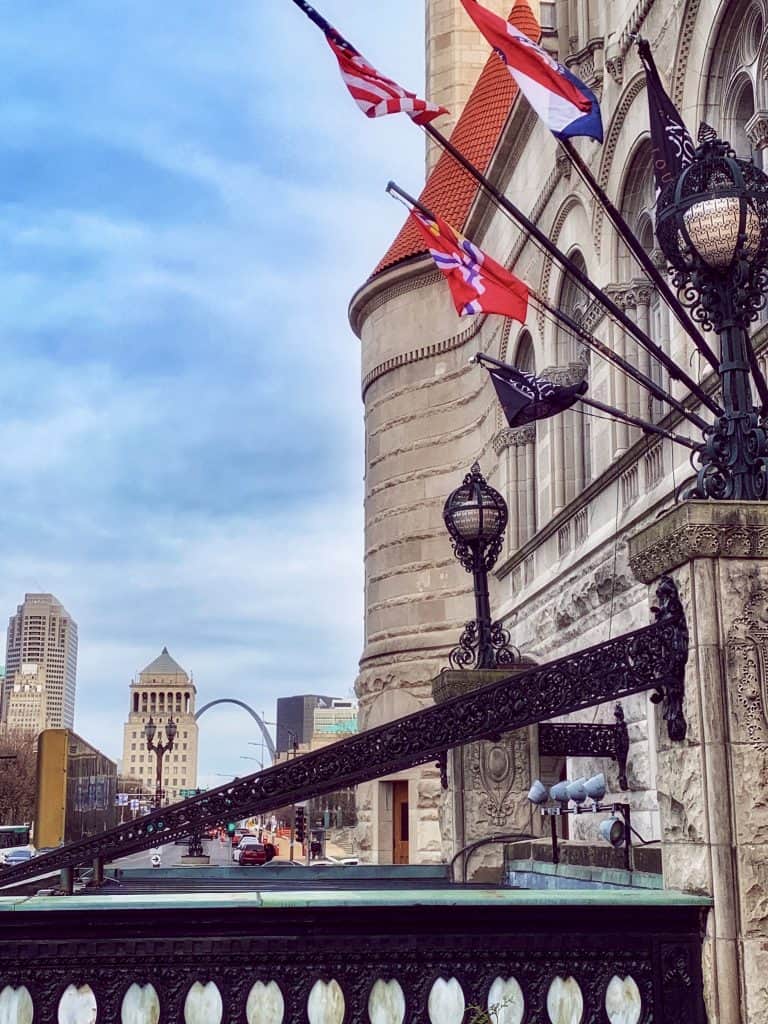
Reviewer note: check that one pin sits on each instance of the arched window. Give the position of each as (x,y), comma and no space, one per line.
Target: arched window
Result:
(573,362)
(640,297)
(737,88)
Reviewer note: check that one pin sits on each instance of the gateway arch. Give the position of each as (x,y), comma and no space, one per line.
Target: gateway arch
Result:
(254,715)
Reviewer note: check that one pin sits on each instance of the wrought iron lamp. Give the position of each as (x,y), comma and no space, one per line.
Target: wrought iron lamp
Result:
(712,225)
(475,516)
(160,749)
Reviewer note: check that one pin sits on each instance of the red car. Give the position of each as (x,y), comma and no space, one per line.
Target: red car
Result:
(256,853)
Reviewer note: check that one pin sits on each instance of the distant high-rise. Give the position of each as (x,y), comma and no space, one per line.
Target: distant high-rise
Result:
(163,690)
(43,634)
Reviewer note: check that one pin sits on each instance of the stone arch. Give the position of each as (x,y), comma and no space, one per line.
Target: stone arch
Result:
(570,203)
(254,715)
(616,131)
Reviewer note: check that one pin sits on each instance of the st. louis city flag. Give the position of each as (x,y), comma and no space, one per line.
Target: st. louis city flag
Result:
(375,94)
(562,101)
(672,146)
(478,283)
(525,397)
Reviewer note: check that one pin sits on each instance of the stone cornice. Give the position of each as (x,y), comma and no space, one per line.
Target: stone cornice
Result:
(699,529)
(412,273)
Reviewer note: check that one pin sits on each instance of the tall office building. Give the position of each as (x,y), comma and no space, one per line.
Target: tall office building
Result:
(296,719)
(163,690)
(43,634)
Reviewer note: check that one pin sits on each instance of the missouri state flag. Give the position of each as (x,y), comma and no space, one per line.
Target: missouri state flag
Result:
(478,284)
(525,397)
(562,101)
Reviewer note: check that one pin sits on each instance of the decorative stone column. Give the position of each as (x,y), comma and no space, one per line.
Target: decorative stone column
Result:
(517,450)
(757,133)
(713,788)
(567,440)
(488,783)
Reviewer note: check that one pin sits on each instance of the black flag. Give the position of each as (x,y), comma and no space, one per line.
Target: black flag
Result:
(673,147)
(525,397)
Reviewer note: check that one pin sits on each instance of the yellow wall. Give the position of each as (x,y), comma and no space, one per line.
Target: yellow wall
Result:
(51,787)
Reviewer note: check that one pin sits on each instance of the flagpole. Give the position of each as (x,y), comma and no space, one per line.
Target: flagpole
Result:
(598,346)
(322,24)
(632,328)
(640,254)
(656,390)
(645,426)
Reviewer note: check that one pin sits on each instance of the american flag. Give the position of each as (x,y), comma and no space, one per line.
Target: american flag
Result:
(375,94)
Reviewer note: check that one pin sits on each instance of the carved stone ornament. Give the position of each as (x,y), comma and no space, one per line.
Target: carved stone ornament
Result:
(757,129)
(747,654)
(699,529)
(615,68)
(499,772)
(514,437)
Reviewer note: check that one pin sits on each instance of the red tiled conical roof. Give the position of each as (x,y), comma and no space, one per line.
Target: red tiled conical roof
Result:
(450,190)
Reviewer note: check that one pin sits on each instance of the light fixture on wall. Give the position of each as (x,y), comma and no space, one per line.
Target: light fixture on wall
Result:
(584,796)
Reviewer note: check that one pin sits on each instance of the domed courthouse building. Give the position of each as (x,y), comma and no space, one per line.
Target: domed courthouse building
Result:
(580,488)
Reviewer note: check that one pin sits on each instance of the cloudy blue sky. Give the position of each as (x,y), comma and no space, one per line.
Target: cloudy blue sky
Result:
(189,197)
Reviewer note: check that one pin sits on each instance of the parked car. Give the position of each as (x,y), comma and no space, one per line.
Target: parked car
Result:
(239,835)
(254,853)
(245,842)
(16,856)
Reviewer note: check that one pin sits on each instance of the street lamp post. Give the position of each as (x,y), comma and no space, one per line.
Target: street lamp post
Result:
(712,226)
(160,749)
(475,516)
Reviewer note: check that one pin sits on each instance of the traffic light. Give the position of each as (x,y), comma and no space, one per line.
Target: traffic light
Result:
(300,825)
(231,826)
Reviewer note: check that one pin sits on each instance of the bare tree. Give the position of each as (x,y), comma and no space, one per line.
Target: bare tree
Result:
(18,776)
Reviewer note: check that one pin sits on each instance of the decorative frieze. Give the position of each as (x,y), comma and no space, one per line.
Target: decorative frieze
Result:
(700,529)
(514,437)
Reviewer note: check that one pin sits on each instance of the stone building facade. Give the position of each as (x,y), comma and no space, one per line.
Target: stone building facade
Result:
(162,690)
(577,486)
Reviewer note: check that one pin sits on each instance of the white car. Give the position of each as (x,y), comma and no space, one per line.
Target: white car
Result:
(245,841)
(16,854)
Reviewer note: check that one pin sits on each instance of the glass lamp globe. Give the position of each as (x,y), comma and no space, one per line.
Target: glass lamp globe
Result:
(150,729)
(475,513)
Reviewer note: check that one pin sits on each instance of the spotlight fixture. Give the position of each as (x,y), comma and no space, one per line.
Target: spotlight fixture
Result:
(613,830)
(559,792)
(538,794)
(595,787)
(577,791)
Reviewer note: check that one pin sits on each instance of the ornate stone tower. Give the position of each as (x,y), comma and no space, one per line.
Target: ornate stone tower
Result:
(455,55)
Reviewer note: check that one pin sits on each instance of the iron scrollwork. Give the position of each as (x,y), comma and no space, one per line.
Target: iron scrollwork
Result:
(651,658)
(467,653)
(585,740)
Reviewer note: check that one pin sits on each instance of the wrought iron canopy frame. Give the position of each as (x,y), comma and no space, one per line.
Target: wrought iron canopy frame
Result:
(650,658)
(585,740)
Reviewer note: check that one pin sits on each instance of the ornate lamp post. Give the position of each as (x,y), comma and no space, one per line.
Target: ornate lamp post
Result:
(160,749)
(712,225)
(475,516)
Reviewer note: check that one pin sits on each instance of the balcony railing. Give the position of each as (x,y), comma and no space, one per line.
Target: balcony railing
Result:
(365,957)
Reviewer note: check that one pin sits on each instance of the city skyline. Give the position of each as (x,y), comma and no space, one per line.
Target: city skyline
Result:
(196,430)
